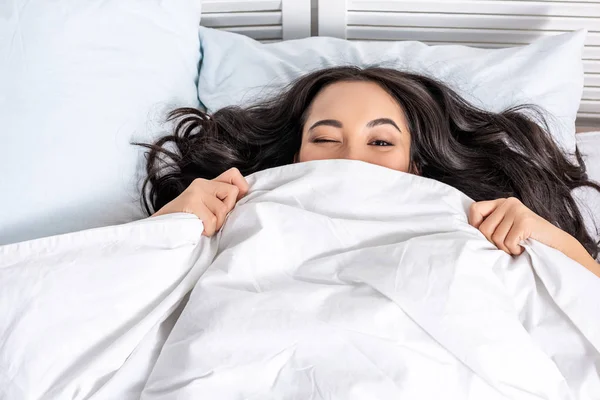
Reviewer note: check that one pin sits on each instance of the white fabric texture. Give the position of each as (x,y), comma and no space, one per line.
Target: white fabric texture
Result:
(84,315)
(331,279)
(237,70)
(344,280)
(589,145)
(79,81)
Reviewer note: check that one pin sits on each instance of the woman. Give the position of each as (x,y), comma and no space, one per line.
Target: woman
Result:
(506,162)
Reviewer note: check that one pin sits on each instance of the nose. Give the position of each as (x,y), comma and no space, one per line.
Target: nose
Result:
(352,153)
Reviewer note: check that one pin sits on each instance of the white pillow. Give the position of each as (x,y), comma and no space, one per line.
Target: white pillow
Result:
(79,80)
(237,70)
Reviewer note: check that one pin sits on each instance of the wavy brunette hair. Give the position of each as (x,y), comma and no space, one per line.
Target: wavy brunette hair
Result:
(485,155)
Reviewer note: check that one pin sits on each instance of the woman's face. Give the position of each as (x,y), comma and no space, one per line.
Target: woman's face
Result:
(356,121)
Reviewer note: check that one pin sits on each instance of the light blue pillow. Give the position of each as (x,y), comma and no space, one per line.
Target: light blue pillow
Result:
(237,70)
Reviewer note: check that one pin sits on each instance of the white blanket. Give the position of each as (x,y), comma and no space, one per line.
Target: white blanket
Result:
(84,315)
(330,280)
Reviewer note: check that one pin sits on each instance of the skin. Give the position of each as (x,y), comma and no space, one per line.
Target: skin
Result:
(356,121)
(361,121)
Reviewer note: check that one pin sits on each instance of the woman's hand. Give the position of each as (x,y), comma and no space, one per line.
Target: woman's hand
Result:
(505,222)
(210,201)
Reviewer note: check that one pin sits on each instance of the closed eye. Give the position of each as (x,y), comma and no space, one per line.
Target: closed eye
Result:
(324,141)
(381,143)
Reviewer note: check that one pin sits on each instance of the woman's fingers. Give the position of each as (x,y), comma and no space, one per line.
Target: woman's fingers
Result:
(223,192)
(502,231)
(209,200)
(513,239)
(493,220)
(219,209)
(502,222)
(227,193)
(208,218)
(234,177)
(479,211)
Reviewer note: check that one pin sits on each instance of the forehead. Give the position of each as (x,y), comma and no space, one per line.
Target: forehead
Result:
(346,98)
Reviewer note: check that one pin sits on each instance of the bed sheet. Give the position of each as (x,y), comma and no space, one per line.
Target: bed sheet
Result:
(589,145)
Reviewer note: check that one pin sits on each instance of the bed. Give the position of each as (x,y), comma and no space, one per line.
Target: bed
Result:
(279,304)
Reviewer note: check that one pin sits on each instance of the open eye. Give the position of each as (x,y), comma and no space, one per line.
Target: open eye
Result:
(381,143)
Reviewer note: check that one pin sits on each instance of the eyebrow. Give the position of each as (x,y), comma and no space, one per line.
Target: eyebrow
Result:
(383,121)
(337,124)
(328,122)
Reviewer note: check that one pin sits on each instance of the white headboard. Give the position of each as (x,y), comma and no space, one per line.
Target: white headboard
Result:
(265,20)
(480,23)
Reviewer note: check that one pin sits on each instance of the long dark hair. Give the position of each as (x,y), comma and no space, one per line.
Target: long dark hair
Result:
(485,155)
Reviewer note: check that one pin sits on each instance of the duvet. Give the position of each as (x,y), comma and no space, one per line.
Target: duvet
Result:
(330,280)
